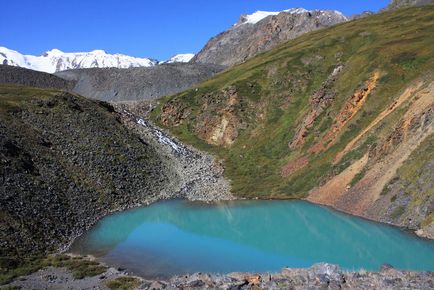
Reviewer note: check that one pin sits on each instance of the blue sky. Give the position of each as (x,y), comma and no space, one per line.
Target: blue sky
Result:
(143,28)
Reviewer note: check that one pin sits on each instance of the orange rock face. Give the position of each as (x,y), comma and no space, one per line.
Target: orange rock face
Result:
(350,109)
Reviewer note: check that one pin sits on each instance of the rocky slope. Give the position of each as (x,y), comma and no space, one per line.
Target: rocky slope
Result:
(199,175)
(111,84)
(56,60)
(341,116)
(261,31)
(27,77)
(66,161)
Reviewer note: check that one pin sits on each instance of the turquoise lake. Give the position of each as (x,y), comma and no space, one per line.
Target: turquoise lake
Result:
(178,237)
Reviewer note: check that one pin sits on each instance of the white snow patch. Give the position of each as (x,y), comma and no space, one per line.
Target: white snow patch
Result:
(259,15)
(183,57)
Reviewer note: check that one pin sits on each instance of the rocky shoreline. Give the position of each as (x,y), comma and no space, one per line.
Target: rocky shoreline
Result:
(319,276)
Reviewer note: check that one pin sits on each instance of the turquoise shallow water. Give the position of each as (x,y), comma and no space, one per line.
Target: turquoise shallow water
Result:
(178,237)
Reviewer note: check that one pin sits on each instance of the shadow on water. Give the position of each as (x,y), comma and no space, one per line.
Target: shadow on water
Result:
(177,237)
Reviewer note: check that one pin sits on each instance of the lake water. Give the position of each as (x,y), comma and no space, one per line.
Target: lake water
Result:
(178,237)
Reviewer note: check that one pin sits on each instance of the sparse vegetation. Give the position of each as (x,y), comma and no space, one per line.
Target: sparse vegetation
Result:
(80,267)
(397,212)
(124,283)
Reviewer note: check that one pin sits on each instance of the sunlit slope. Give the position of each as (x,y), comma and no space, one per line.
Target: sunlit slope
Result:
(338,115)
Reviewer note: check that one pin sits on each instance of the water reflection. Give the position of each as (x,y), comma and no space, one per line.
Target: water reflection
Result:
(179,237)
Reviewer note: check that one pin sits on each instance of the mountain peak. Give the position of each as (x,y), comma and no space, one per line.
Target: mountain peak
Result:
(54,51)
(98,51)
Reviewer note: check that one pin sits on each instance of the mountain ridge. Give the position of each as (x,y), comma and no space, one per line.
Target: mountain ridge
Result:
(56,60)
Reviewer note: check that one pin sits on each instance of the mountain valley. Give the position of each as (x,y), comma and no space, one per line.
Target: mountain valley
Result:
(310,105)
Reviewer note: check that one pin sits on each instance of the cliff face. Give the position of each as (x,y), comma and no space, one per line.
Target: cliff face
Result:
(246,39)
(341,116)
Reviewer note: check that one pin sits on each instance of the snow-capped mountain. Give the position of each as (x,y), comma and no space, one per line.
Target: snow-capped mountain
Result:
(185,57)
(56,60)
(261,31)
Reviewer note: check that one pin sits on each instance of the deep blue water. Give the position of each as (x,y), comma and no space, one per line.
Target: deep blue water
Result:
(178,237)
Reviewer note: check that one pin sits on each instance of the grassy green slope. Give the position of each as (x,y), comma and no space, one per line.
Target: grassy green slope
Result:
(273,92)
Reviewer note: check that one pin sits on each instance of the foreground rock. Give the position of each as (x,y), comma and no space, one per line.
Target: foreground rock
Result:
(319,276)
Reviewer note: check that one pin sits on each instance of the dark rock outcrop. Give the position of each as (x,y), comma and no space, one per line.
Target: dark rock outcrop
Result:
(244,40)
(112,84)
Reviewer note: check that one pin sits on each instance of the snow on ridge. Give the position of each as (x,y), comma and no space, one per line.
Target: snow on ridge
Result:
(259,15)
